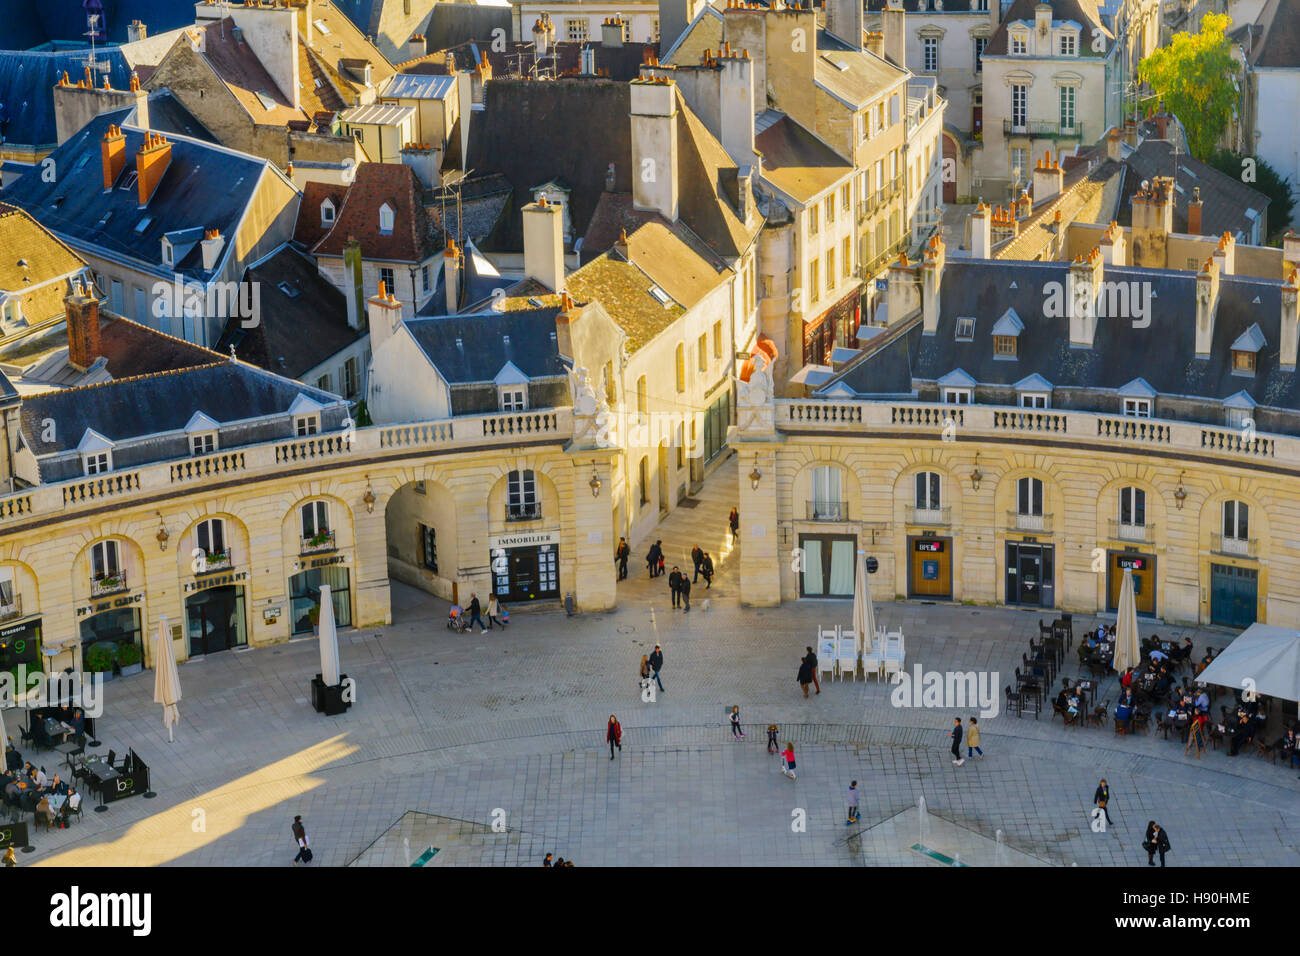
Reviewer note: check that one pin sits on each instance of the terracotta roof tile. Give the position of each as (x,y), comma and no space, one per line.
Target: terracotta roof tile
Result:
(412,238)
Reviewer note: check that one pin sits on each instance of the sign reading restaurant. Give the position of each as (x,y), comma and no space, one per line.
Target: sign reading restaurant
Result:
(213,582)
(523,540)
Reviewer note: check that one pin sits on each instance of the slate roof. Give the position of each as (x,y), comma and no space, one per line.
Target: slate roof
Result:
(28,24)
(128,348)
(298,331)
(519,58)
(167,115)
(1224,199)
(1082,12)
(412,238)
(912,6)
(797,162)
(27,89)
(204,186)
(345,41)
(483,202)
(455,23)
(8,394)
(866,76)
(1163,354)
(150,404)
(1279,45)
(483,348)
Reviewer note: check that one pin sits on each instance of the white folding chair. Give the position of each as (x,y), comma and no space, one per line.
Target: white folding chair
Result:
(827,648)
(848,653)
(893,662)
(873,659)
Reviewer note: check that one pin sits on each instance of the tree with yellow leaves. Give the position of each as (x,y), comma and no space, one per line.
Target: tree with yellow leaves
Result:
(1194,76)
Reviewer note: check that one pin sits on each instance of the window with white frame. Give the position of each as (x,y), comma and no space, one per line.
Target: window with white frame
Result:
(930,54)
(980,44)
(315,517)
(514,398)
(210,538)
(306,424)
(521,495)
(1033,400)
(1236,417)
(1133,507)
(326,213)
(1019,162)
(1019,44)
(105,560)
(1019,105)
(1068,96)
(204,443)
(1236,520)
(424,278)
(1137,407)
(1029,496)
(827,501)
(98,462)
(957,396)
(928,491)
(1069,45)
(385,220)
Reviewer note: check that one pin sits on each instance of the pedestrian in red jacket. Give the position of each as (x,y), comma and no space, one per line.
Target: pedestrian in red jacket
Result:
(614,735)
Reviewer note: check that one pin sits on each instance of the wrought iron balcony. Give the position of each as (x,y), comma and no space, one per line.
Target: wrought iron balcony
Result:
(1033,524)
(214,561)
(319,543)
(1139,533)
(828,510)
(13,609)
(106,584)
(933,517)
(1235,547)
(527,511)
(1042,128)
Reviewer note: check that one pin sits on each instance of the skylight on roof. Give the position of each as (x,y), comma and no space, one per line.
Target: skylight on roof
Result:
(320,25)
(662,297)
(264,98)
(143,224)
(965,331)
(535,302)
(82,161)
(288,290)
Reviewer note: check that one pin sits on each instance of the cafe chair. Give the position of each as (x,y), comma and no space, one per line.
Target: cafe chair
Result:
(874,659)
(1266,750)
(112,755)
(69,813)
(1098,714)
(80,741)
(1141,721)
(1013,702)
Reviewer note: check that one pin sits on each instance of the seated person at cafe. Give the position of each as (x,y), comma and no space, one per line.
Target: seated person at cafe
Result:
(1203,701)
(1288,746)
(39,778)
(1126,680)
(1205,661)
(77,720)
(13,759)
(1063,697)
(1124,712)
(1163,683)
(45,812)
(72,804)
(57,785)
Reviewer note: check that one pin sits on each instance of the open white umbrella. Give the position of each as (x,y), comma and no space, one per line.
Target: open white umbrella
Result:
(166,682)
(864,615)
(329,640)
(1126,630)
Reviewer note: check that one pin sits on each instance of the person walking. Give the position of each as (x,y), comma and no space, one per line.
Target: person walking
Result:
(1101,797)
(475,612)
(645,672)
(973,739)
(853,804)
(685,588)
(675,586)
(494,613)
(805,675)
(1157,841)
(304,845)
(733,522)
(654,558)
(697,557)
(614,735)
(772,745)
(787,761)
(657,664)
(736,732)
(547,862)
(621,554)
(956,742)
(811,658)
(706,567)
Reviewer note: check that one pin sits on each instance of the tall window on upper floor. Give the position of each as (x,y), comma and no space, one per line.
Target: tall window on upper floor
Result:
(1236,520)
(385,220)
(1069,45)
(640,399)
(1068,96)
(210,537)
(521,495)
(1029,496)
(681,367)
(643,480)
(315,517)
(1133,507)
(827,499)
(1019,106)
(105,561)
(980,44)
(1019,45)
(930,54)
(928,497)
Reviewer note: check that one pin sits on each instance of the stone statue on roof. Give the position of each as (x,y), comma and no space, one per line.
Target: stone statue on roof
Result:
(754,399)
(592,419)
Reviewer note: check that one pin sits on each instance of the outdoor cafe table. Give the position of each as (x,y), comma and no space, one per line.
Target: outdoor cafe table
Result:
(57,728)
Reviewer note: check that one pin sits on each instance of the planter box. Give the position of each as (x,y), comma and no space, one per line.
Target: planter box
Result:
(329,700)
(130,669)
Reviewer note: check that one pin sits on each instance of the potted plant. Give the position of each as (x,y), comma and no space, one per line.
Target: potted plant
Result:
(129,659)
(99,659)
(313,615)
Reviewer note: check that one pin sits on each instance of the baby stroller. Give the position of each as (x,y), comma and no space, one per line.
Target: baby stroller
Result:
(456,619)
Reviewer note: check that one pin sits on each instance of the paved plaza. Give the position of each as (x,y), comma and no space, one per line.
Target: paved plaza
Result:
(453,733)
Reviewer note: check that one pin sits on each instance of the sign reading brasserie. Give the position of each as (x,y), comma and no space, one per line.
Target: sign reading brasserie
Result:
(215,581)
(523,540)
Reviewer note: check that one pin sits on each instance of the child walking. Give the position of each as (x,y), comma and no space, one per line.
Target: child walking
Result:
(853,804)
(787,761)
(772,745)
(736,732)
(973,739)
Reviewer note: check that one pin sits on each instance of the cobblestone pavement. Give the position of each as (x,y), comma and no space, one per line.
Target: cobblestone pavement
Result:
(449,728)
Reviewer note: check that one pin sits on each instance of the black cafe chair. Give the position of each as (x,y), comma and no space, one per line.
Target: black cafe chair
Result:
(1013,701)
(69,813)
(112,755)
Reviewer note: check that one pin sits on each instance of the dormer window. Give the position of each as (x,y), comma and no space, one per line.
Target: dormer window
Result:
(1239,408)
(514,399)
(1004,345)
(1034,391)
(166,252)
(1243,361)
(385,220)
(96,453)
(306,416)
(1137,407)
(326,213)
(957,388)
(1005,332)
(1019,44)
(203,444)
(965,331)
(1244,350)
(1069,45)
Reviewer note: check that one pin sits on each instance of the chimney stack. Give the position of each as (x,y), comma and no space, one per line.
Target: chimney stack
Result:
(1048,178)
(1083,286)
(611,33)
(135,31)
(1207,304)
(933,261)
(1194,212)
(385,314)
(893,22)
(544,244)
(876,43)
(82,310)
(736,104)
(981,232)
(845,20)
(416,47)
(1225,255)
(352,280)
(1112,145)
(1153,220)
(1112,245)
(542,33)
(569,313)
(151,163)
(113,152)
(1290,252)
(1290,321)
(211,245)
(903,292)
(451,260)
(654,146)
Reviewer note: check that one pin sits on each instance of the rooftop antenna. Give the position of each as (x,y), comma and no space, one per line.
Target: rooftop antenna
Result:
(91,62)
